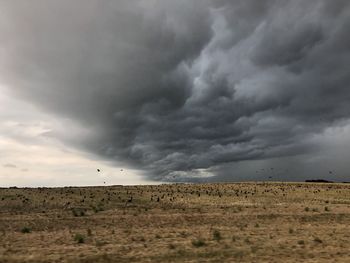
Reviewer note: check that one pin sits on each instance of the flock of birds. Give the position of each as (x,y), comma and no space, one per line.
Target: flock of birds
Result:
(99,170)
(263,170)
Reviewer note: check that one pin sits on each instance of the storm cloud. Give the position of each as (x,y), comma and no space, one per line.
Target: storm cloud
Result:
(183,89)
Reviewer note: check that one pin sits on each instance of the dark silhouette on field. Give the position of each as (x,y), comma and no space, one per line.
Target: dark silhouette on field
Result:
(318,181)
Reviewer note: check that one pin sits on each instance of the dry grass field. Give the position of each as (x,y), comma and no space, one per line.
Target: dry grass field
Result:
(242,222)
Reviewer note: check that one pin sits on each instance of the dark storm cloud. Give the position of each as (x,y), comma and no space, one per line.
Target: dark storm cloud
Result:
(180,88)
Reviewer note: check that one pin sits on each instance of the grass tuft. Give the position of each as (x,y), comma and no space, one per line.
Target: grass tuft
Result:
(79,238)
(198,242)
(217,235)
(26,230)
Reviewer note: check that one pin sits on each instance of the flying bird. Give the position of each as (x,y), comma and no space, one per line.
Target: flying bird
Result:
(98,170)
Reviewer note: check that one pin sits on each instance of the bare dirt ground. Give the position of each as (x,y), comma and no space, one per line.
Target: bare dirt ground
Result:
(243,222)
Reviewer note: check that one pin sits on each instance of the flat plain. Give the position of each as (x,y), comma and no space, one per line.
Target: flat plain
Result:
(231,222)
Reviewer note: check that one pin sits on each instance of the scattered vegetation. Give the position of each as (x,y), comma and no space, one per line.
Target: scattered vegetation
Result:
(232,222)
(172,246)
(318,240)
(26,230)
(79,238)
(198,242)
(78,212)
(217,235)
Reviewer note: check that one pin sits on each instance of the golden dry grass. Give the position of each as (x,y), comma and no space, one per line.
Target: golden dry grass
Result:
(243,222)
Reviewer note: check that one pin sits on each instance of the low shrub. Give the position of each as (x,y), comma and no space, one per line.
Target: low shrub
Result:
(198,242)
(26,230)
(79,238)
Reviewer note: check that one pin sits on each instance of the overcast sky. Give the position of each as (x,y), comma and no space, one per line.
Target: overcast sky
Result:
(187,90)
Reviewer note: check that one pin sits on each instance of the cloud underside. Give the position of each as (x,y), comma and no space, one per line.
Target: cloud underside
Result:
(182,88)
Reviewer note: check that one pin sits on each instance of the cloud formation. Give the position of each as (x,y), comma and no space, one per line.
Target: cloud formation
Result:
(31,157)
(9,165)
(182,88)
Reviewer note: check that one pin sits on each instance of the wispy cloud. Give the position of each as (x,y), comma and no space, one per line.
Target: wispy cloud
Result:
(9,165)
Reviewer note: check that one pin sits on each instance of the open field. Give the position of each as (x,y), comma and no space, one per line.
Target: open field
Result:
(243,222)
